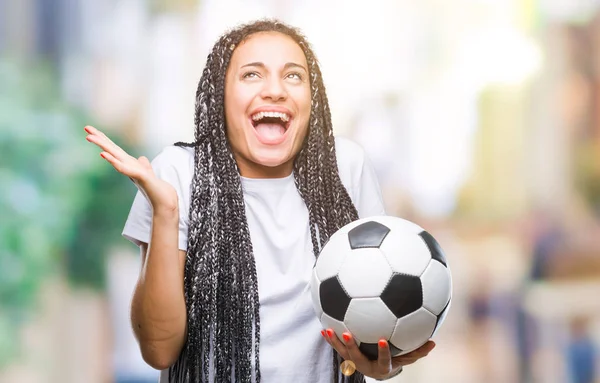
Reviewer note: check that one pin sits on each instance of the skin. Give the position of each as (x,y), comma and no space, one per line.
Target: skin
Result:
(267,72)
(382,368)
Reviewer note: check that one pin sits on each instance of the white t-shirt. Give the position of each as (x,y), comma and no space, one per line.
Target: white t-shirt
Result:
(291,346)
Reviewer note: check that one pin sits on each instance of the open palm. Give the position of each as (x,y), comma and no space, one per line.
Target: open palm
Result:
(159,193)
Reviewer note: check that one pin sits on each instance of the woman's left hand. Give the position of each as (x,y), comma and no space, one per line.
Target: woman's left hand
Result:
(385,366)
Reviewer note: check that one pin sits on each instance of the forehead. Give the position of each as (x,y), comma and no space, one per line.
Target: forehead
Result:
(269,48)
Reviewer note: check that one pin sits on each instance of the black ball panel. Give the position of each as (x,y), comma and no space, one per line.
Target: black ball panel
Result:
(368,234)
(441,317)
(434,248)
(403,294)
(334,300)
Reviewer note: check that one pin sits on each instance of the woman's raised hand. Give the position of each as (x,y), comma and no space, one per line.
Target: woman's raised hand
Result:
(161,195)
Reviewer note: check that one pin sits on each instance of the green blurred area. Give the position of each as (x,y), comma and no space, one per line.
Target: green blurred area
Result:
(61,205)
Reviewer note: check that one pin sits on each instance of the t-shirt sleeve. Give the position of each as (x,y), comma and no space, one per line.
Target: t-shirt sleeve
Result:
(359,177)
(169,166)
(368,198)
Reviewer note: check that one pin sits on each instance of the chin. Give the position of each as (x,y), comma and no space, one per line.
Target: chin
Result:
(271,158)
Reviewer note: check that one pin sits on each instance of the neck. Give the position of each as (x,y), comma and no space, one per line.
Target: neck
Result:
(260,171)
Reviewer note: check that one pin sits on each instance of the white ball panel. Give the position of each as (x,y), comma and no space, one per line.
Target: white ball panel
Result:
(314,291)
(365,273)
(437,287)
(332,256)
(369,320)
(406,253)
(335,325)
(413,330)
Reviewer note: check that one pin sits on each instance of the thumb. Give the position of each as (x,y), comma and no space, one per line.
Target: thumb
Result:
(144,162)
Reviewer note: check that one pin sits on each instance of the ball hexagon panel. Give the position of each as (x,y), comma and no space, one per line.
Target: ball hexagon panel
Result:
(364,273)
(344,230)
(406,253)
(332,256)
(434,248)
(315,284)
(437,287)
(403,294)
(338,327)
(367,234)
(413,330)
(371,350)
(334,300)
(441,318)
(399,224)
(369,320)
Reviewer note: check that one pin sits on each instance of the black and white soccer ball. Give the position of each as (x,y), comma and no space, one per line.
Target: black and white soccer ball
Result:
(382,278)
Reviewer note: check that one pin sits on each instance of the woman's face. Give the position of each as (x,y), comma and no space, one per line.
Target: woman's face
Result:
(267,104)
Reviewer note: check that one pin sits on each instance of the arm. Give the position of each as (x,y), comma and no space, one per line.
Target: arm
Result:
(158,310)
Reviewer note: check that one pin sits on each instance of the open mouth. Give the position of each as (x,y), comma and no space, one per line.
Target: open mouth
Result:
(271,126)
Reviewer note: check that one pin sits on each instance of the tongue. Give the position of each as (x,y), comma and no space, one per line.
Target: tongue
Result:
(270,132)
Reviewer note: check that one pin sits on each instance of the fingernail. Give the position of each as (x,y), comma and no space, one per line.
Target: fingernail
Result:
(330,333)
(346,337)
(102,155)
(323,333)
(382,343)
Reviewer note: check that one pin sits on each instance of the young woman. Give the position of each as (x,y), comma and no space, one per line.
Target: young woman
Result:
(229,226)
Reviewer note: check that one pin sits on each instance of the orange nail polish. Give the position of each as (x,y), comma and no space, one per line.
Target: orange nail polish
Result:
(330,333)
(346,337)
(382,343)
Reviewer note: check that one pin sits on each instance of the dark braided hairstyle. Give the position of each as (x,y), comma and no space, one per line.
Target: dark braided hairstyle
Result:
(221,287)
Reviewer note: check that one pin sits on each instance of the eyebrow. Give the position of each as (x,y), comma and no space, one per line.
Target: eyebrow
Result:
(286,66)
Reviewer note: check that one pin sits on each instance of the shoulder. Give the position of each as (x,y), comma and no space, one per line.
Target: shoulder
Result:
(175,165)
(359,178)
(174,157)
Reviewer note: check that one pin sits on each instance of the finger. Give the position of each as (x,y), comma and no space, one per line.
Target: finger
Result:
(95,131)
(413,356)
(99,138)
(353,351)
(384,359)
(118,165)
(145,162)
(421,351)
(335,342)
(101,143)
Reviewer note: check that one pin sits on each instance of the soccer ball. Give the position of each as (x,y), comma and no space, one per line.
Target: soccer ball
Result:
(382,278)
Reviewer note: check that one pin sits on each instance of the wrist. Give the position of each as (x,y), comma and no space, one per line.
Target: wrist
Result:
(166,212)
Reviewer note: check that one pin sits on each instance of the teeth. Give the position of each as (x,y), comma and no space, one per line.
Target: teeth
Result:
(260,115)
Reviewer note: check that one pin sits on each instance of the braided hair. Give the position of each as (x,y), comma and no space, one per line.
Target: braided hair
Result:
(221,287)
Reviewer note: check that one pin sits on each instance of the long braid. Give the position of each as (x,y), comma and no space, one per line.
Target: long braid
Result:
(221,286)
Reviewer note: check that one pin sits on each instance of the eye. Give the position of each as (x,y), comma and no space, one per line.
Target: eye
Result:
(295,76)
(250,75)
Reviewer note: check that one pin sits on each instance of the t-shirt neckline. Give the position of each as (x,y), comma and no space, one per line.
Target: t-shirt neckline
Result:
(257,184)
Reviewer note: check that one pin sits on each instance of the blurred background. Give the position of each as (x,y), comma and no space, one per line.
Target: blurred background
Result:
(482,118)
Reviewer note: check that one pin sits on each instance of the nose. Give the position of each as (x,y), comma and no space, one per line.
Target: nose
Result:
(274,89)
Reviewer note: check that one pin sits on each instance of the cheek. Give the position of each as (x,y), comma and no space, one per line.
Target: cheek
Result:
(235,111)
(233,127)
